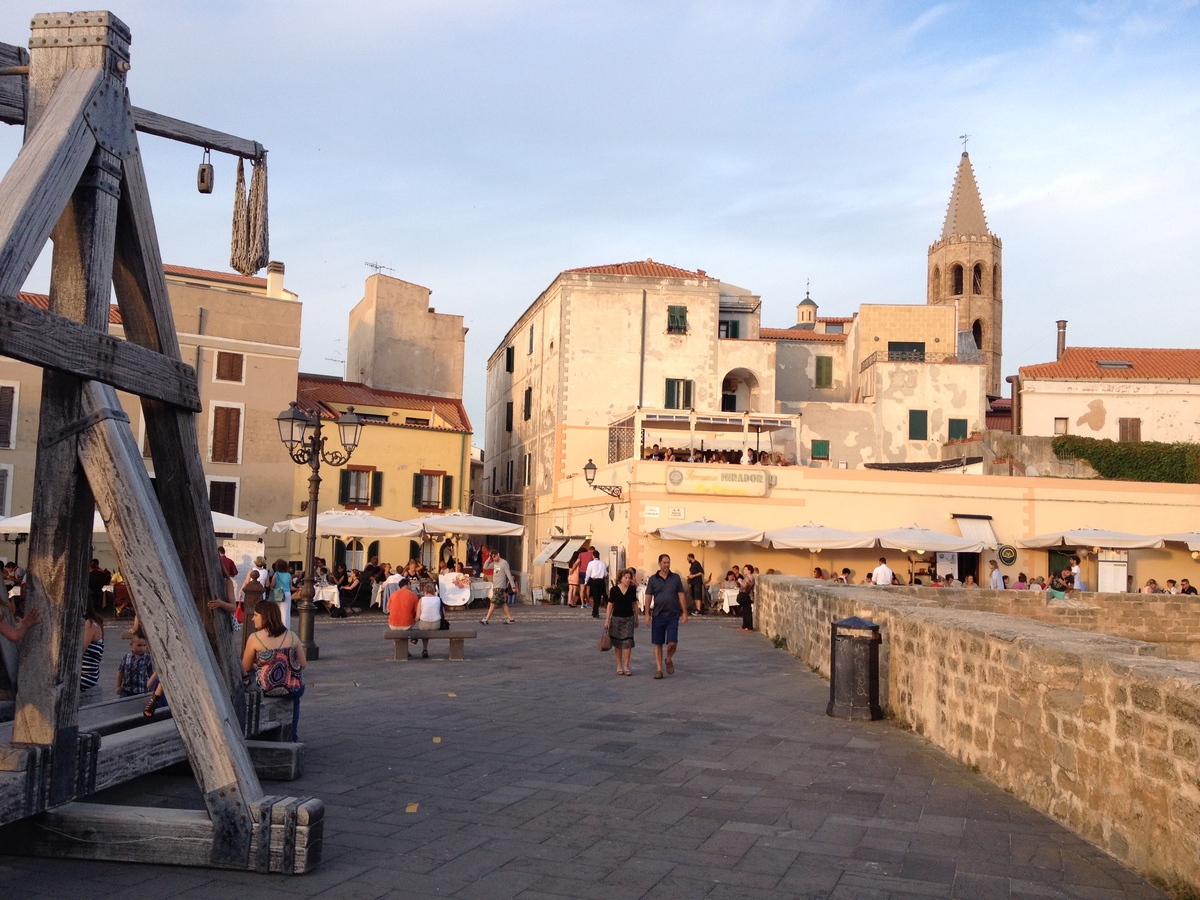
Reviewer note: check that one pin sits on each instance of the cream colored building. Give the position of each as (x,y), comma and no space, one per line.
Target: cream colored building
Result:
(1118,393)
(243,336)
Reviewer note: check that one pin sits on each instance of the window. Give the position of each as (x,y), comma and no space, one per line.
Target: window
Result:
(433,490)
(824,372)
(918,425)
(495,486)
(977,279)
(996,282)
(415,420)
(226,430)
(1129,429)
(679,393)
(957,429)
(977,334)
(530,350)
(528,478)
(1060,426)
(957,274)
(820,449)
(510,358)
(508,416)
(527,410)
(726,328)
(835,328)
(8,416)
(230,367)
(360,486)
(508,477)
(6,477)
(906,351)
(677,320)
(222,497)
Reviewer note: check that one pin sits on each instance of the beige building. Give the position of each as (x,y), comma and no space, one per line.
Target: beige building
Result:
(243,336)
(392,331)
(1118,393)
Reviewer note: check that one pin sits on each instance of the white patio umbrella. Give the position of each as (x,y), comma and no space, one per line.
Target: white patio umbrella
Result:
(1191,538)
(816,537)
(465,523)
(923,540)
(221,522)
(1092,537)
(707,530)
(350,523)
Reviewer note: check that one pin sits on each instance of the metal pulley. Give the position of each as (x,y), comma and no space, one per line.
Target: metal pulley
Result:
(204,175)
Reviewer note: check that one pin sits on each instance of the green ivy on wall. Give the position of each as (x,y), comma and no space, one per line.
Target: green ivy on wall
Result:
(1133,460)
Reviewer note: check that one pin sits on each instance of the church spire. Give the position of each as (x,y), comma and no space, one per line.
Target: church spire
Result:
(964,215)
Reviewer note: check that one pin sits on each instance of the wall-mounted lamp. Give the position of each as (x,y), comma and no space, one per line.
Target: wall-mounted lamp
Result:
(589,473)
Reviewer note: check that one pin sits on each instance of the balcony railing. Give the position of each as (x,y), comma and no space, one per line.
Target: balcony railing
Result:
(906,356)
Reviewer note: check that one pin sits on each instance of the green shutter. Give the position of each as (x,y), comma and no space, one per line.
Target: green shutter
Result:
(734,328)
(671,401)
(824,371)
(447,492)
(418,488)
(820,449)
(508,416)
(687,395)
(343,487)
(918,425)
(377,489)
(958,429)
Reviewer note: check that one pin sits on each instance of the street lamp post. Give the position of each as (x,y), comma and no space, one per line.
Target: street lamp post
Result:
(300,431)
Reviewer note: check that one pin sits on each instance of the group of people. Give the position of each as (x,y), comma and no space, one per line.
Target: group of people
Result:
(1183,586)
(725,457)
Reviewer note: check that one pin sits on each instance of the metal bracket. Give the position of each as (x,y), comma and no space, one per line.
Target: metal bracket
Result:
(81,425)
(232,831)
(262,860)
(110,117)
(34,761)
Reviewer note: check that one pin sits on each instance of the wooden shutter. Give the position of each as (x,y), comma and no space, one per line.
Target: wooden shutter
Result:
(671,401)
(222,496)
(734,328)
(508,416)
(4,494)
(377,489)
(343,487)
(687,394)
(824,371)
(227,422)
(447,492)
(229,366)
(918,425)
(510,358)
(7,395)
(528,410)
(418,489)
(1129,429)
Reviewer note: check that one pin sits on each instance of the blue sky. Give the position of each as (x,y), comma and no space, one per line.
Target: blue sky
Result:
(479,148)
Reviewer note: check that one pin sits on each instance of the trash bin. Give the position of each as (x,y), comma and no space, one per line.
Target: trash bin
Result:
(854,670)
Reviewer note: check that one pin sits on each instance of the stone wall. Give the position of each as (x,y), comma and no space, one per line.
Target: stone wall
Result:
(1102,733)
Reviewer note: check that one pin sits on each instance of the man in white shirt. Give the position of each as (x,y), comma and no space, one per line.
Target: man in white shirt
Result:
(882,574)
(596,575)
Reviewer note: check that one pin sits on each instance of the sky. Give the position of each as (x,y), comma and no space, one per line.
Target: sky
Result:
(480,147)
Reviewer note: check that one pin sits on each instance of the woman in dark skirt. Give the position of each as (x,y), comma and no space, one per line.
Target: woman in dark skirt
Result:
(621,619)
(745,599)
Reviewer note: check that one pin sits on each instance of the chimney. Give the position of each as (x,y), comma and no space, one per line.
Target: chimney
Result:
(1062,337)
(275,280)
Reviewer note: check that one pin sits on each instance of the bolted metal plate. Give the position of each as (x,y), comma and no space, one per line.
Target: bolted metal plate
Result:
(232,829)
(110,117)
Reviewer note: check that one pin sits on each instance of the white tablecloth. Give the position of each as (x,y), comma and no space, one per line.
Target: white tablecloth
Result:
(729,599)
(481,589)
(451,594)
(327,593)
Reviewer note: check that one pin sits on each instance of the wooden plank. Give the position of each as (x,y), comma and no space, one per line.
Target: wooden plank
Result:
(168,836)
(159,125)
(277,760)
(13,87)
(184,659)
(141,289)
(39,337)
(36,188)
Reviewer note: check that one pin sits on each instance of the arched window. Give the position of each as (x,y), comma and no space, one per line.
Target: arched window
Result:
(977,279)
(977,333)
(957,272)
(936,282)
(996,282)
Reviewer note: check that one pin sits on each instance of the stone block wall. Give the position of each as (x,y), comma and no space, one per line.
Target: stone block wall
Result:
(1102,733)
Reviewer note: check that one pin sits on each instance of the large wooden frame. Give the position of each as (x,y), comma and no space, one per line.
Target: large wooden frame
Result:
(78,180)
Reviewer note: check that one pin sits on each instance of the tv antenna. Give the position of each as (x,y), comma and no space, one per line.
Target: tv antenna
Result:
(378,267)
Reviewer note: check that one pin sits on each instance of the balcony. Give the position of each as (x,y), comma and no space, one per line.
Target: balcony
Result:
(683,430)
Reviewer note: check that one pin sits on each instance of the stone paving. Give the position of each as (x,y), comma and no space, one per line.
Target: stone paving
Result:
(532,770)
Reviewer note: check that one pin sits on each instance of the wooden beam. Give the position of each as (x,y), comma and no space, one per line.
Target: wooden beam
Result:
(36,188)
(159,125)
(12,87)
(41,338)
(146,313)
(185,662)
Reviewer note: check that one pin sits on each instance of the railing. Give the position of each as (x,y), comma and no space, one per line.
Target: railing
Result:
(906,356)
(622,442)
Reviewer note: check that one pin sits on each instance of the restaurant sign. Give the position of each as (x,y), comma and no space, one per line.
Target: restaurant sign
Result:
(724,481)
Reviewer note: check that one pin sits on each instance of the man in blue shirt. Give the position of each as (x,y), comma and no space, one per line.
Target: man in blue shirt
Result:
(666,608)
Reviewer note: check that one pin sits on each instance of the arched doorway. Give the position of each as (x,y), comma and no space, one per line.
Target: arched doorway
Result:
(739,391)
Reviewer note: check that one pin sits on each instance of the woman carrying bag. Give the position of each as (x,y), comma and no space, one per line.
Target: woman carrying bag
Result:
(276,658)
(621,619)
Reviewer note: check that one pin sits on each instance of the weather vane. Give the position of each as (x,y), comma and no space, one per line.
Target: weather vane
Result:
(964,138)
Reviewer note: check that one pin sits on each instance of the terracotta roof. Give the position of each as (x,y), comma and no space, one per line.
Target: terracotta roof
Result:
(321,390)
(210,275)
(1107,364)
(1001,404)
(644,267)
(835,319)
(797,334)
(964,215)
(1000,421)
(42,301)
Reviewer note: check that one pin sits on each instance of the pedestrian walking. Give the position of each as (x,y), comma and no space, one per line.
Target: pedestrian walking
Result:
(696,583)
(666,610)
(502,579)
(597,582)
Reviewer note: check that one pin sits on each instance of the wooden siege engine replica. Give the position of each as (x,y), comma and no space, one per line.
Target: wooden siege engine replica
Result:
(79,181)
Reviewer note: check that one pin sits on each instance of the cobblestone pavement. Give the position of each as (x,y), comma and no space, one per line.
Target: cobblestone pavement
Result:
(532,770)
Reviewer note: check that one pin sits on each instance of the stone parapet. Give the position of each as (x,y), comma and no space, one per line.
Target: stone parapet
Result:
(1101,733)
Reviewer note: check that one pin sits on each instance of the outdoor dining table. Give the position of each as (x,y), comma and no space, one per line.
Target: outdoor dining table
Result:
(328,593)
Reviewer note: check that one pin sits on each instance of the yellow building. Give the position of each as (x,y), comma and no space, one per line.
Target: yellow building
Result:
(413,459)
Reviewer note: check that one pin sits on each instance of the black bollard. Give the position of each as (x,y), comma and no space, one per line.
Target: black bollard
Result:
(854,670)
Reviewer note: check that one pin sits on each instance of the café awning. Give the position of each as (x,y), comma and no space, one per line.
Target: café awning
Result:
(1092,537)
(816,537)
(977,528)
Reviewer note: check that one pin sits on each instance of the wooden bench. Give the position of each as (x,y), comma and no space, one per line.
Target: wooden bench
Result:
(401,639)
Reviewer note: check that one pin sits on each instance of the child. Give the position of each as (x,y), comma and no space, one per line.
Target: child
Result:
(133,675)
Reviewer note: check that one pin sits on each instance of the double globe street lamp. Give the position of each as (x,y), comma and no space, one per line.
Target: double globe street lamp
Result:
(300,431)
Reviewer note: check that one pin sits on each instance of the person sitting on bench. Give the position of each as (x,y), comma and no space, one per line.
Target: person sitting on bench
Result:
(429,617)
(402,607)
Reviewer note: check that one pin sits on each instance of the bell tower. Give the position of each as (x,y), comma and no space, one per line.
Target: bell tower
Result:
(965,271)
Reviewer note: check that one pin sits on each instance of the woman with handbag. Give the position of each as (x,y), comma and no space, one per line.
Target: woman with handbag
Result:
(279,590)
(621,619)
(276,658)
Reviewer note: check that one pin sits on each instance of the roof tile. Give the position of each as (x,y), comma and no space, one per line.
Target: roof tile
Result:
(796,334)
(643,267)
(211,275)
(42,301)
(1145,364)
(320,390)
